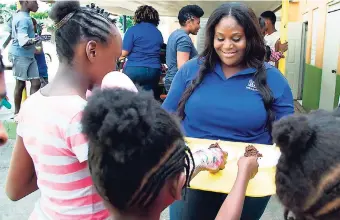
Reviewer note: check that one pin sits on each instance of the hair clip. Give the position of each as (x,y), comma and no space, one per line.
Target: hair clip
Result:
(99,10)
(64,20)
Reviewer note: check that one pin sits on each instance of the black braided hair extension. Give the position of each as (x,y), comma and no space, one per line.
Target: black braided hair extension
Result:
(172,166)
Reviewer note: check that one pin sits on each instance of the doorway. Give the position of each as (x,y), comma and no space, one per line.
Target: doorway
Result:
(330,59)
(303,61)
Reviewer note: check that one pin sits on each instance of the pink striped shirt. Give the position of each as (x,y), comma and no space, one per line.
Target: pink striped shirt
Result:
(51,131)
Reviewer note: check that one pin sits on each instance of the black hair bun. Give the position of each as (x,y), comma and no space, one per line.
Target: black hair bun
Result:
(62,8)
(292,134)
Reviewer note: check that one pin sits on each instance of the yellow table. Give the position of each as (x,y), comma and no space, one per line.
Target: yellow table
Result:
(263,184)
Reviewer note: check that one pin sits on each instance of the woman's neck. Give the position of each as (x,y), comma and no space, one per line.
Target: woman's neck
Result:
(67,81)
(185,29)
(229,71)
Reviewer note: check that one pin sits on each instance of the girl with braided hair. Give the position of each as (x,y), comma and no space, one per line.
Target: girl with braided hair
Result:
(228,93)
(50,153)
(139,161)
(308,171)
(142,46)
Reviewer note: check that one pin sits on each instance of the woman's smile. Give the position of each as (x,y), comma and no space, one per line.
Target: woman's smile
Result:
(229,54)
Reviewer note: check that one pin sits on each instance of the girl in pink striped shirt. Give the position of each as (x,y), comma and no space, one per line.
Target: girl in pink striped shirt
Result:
(50,153)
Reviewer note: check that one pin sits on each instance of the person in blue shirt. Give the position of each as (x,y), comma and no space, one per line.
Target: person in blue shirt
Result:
(228,93)
(142,46)
(22,52)
(180,47)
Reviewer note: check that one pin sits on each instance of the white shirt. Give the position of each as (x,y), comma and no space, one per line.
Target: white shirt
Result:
(270,40)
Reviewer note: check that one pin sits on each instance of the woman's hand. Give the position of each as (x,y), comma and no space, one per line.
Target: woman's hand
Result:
(248,166)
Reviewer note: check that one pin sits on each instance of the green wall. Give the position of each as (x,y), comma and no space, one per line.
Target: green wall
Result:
(337,91)
(312,87)
(11,128)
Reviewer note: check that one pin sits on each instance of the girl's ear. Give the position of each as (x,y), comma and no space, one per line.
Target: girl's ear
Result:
(177,186)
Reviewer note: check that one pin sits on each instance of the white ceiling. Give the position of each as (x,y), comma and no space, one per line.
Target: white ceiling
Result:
(171,8)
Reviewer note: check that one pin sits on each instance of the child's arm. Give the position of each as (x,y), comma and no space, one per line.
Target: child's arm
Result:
(232,207)
(21,179)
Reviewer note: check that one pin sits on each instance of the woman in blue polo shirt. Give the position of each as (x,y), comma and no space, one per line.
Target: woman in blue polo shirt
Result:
(141,45)
(228,93)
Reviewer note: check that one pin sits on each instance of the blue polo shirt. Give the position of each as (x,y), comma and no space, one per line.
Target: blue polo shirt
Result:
(143,41)
(228,109)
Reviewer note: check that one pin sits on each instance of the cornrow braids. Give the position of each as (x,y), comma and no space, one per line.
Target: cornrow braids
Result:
(91,23)
(254,57)
(146,13)
(308,177)
(178,160)
(134,147)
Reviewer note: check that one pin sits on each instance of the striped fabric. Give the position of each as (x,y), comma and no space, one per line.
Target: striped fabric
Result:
(51,131)
(275,55)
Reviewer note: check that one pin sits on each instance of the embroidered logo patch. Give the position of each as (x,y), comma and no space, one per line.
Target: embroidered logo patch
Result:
(251,85)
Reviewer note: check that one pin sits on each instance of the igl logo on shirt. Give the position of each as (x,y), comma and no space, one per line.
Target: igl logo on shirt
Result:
(251,85)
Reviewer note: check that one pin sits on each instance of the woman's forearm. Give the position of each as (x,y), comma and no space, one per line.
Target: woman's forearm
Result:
(232,206)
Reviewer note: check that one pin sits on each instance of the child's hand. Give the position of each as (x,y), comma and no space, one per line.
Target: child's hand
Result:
(248,166)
